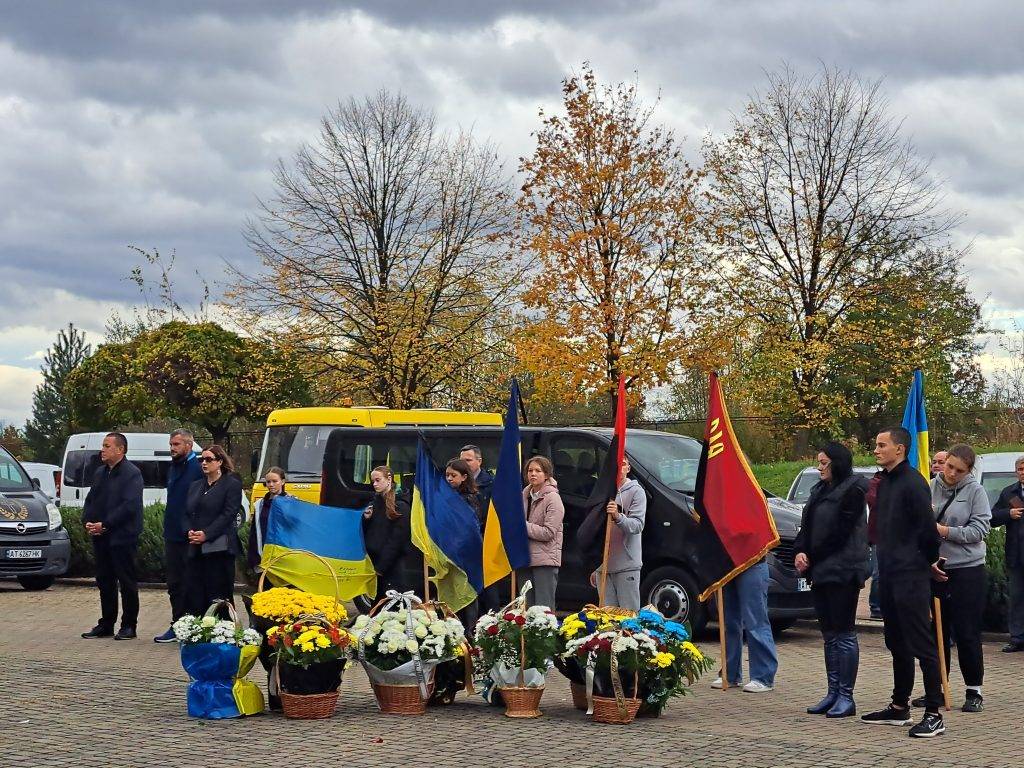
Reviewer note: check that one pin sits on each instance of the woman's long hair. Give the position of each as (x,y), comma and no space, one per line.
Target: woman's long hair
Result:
(468,485)
(389,495)
(842,461)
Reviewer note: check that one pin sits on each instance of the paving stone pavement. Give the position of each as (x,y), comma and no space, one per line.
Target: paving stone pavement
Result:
(75,702)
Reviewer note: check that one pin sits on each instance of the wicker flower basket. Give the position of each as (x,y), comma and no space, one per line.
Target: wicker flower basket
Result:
(579,696)
(522,702)
(607,711)
(314,706)
(401,699)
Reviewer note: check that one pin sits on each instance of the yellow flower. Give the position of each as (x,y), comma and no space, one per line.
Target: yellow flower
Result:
(693,650)
(663,660)
(322,642)
(307,647)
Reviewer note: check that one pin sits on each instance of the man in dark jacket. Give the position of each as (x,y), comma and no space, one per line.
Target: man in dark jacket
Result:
(908,550)
(1008,511)
(184,471)
(491,598)
(113,518)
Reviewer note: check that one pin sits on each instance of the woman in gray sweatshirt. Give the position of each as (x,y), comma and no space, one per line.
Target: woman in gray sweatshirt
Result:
(963,519)
(626,517)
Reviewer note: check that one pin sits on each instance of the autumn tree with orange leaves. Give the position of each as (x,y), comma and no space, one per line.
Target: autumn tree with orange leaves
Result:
(608,213)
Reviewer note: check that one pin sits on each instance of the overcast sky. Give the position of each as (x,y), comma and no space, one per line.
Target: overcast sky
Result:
(157,123)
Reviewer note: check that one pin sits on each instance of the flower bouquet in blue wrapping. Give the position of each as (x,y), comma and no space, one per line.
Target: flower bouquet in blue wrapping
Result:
(217,655)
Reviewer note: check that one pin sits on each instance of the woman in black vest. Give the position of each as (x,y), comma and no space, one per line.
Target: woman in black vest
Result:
(832,553)
(212,511)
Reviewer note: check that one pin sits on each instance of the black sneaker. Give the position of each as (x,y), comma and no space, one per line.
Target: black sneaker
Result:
(920,702)
(931,725)
(98,631)
(888,716)
(126,633)
(974,703)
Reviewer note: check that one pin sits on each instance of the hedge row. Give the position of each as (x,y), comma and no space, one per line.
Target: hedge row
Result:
(150,558)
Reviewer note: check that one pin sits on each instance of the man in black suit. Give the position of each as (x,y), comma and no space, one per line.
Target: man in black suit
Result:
(113,519)
(1008,511)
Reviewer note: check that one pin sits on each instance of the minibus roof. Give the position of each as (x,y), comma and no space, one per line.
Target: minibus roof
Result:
(381,417)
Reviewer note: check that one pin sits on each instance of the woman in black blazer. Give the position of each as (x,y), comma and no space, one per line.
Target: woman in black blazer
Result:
(211,511)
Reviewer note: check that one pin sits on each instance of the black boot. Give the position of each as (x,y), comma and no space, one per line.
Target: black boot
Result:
(831,672)
(849,660)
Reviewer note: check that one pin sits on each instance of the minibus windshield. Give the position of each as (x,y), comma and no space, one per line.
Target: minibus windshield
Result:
(298,449)
(673,459)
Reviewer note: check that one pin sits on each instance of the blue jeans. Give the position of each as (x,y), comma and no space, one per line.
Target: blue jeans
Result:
(746,614)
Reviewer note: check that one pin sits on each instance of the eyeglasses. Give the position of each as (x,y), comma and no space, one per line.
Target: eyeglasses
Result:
(205,459)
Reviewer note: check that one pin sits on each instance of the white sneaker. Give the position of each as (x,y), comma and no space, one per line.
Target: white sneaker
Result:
(718,684)
(756,686)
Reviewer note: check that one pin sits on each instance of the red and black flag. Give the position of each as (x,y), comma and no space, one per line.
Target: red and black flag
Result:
(735,529)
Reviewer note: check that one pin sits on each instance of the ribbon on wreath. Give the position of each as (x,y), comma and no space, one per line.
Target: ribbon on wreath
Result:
(613,664)
(518,605)
(405,600)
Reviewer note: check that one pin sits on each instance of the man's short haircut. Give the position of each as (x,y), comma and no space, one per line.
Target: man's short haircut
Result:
(900,436)
(475,449)
(120,440)
(186,433)
(1018,462)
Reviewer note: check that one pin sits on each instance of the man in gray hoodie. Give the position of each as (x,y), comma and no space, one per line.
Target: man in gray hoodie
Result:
(963,519)
(625,553)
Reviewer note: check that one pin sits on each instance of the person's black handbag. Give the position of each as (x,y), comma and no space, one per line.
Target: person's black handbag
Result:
(220,544)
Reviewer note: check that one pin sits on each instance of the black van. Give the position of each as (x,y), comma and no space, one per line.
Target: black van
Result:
(34,547)
(664,464)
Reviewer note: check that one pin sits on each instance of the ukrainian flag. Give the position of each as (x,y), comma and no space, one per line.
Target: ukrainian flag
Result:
(445,529)
(296,528)
(915,421)
(505,544)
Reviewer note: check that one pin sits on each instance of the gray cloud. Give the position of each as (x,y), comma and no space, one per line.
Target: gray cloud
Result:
(159,123)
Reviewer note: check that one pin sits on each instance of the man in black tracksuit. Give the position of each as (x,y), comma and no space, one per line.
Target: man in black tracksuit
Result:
(903,527)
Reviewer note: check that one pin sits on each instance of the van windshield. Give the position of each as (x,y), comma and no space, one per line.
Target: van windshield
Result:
(298,449)
(673,459)
(12,477)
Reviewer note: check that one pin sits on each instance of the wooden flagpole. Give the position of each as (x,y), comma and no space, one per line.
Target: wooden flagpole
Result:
(604,559)
(937,612)
(720,602)
(512,573)
(426,581)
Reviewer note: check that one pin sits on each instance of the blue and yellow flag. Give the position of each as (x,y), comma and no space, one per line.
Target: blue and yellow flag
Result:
(445,529)
(505,543)
(296,528)
(915,421)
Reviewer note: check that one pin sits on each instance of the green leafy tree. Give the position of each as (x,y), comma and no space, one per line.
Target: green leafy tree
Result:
(46,432)
(200,373)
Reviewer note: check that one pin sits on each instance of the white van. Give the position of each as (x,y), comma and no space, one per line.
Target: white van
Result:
(48,476)
(148,451)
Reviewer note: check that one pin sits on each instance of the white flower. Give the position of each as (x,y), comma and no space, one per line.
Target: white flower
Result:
(361,621)
(412,646)
(209,621)
(420,631)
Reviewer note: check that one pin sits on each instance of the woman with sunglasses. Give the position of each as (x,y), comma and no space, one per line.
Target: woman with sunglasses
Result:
(212,511)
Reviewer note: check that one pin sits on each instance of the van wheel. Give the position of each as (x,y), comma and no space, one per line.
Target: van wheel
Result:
(35,583)
(672,591)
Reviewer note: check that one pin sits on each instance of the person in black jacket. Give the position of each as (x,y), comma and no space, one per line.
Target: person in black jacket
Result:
(1008,511)
(832,552)
(460,477)
(908,551)
(386,532)
(212,511)
(113,519)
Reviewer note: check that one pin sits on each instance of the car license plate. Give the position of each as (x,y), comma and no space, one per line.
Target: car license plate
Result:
(802,585)
(24,554)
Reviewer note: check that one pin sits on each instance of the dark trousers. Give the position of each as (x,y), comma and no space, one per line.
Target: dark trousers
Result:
(909,635)
(836,606)
(175,554)
(208,578)
(1015,583)
(963,604)
(115,569)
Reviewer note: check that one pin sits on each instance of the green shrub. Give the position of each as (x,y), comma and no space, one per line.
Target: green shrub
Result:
(995,617)
(149,559)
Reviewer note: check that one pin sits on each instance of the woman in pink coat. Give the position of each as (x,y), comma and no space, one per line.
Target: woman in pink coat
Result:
(544,513)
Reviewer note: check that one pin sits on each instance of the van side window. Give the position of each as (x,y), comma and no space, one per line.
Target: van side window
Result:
(79,467)
(359,454)
(577,460)
(154,473)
